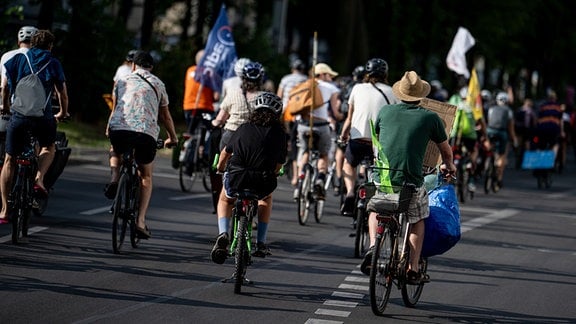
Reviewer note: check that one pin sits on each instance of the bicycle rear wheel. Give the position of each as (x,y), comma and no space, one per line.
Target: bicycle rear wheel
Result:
(134,210)
(304,195)
(319,210)
(382,271)
(206,179)
(120,218)
(241,254)
(411,293)
(362,239)
(20,222)
(488,174)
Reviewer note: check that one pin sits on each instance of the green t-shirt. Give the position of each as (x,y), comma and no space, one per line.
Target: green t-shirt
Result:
(404,131)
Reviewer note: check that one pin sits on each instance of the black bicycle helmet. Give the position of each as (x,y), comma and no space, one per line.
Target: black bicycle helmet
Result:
(268,100)
(359,72)
(376,66)
(130,55)
(253,71)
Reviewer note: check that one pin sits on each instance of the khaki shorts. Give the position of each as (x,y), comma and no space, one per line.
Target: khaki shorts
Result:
(386,203)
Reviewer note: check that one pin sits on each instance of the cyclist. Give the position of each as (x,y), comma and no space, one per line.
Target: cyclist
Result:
(236,107)
(365,102)
(251,160)
(404,131)
(549,125)
(140,101)
(236,81)
(500,129)
(43,128)
(319,119)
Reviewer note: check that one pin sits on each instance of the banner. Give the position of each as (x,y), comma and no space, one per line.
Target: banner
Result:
(456,59)
(219,57)
(473,97)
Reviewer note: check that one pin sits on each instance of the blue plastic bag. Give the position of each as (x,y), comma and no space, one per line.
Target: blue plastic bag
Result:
(443,224)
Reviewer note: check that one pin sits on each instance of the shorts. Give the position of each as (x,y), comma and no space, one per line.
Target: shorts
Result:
(498,140)
(324,139)
(144,145)
(357,150)
(418,208)
(226,136)
(43,128)
(261,187)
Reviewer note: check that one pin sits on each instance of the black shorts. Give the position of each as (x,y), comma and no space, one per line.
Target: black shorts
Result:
(43,128)
(356,151)
(144,145)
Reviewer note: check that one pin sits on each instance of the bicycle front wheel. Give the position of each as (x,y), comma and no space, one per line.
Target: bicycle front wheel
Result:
(411,293)
(362,239)
(304,196)
(241,254)
(382,271)
(120,219)
(134,210)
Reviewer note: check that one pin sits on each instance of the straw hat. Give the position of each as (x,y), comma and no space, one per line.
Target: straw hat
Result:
(411,87)
(322,68)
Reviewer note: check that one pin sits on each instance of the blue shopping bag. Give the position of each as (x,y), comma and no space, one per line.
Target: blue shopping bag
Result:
(443,224)
(539,159)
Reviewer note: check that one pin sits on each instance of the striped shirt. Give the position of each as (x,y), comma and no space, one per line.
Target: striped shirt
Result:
(238,106)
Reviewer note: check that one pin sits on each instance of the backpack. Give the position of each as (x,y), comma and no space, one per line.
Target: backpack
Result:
(30,97)
(300,98)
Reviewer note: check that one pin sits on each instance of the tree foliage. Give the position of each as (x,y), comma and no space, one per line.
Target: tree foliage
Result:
(514,37)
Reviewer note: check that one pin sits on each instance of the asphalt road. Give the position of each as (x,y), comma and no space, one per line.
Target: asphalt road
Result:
(514,264)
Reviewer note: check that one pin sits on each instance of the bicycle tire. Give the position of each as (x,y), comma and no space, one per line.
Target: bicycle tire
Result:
(411,293)
(304,196)
(362,238)
(382,271)
(488,177)
(241,253)
(134,212)
(39,206)
(20,213)
(319,210)
(206,179)
(186,181)
(120,219)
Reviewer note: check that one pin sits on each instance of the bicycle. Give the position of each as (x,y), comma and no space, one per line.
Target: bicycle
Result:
(308,194)
(390,260)
(360,215)
(21,198)
(490,168)
(244,212)
(463,164)
(193,157)
(127,202)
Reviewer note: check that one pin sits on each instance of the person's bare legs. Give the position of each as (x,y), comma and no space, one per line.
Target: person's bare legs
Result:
(145,171)
(416,239)
(349,173)
(6,183)
(114,166)
(45,159)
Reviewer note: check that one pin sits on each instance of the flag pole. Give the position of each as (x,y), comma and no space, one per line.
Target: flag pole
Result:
(313,86)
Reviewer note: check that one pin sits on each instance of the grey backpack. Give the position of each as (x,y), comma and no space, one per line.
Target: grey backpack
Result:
(30,98)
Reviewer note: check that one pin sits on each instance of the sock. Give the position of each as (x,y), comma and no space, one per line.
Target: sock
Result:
(322,176)
(223,224)
(262,231)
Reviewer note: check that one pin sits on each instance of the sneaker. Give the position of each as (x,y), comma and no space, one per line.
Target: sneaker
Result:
(319,189)
(261,250)
(347,208)
(416,278)
(110,190)
(471,187)
(220,249)
(366,263)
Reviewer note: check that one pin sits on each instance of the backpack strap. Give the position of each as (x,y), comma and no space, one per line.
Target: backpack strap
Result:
(382,92)
(150,84)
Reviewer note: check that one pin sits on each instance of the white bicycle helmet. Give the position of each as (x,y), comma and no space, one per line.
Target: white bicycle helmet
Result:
(268,100)
(25,33)
(502,97)
(4,120)
(239,66)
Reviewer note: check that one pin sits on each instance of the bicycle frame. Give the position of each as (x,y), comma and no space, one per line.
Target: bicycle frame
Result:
(244,211)
(21,199)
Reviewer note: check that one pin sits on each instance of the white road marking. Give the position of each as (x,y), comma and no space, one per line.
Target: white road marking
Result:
(32,230)
(484,220)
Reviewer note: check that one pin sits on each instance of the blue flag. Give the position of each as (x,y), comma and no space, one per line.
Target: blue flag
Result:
(219,57)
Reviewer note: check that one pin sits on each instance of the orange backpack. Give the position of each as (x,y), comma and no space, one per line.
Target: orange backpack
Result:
(300,98)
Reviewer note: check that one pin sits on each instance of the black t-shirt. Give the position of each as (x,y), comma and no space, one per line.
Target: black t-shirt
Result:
(256,150)
(257,147)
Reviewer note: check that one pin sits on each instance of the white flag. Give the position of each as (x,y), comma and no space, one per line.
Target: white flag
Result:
(456,59)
